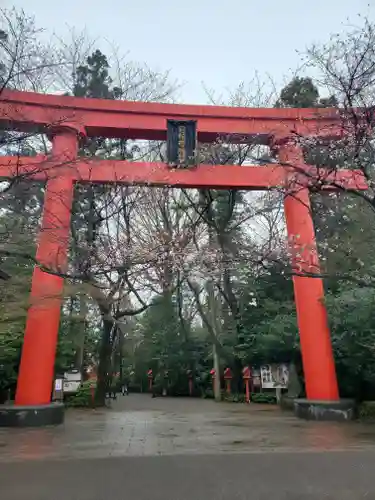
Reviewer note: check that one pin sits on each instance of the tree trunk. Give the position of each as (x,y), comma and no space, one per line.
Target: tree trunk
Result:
(213,314)
(121,354)
(80,341)
(104,366)
(217,384)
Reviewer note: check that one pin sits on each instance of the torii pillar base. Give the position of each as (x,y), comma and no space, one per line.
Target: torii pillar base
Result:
(331,411)
(31,416)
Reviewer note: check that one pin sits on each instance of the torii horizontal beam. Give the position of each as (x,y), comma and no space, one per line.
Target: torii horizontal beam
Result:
(145,120)
(269,176)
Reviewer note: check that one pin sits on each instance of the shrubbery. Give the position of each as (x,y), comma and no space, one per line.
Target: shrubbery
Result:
(263,398)
(367,410)
(234,398)
(83,398)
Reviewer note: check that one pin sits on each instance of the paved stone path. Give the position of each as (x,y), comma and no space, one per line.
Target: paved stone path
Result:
(138,425)
(145,448)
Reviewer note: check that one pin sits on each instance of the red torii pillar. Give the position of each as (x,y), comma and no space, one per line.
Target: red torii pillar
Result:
(315,339)
(36,372)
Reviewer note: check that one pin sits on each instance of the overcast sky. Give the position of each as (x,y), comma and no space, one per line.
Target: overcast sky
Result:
(220,43)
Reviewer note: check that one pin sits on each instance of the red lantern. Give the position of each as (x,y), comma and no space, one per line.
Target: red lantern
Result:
(150,377)
(190,375)
(246,375)
(213,375)
(228,377)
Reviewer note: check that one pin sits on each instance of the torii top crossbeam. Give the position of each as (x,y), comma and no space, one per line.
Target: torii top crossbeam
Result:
(28,111)
(67,118)
(141,120)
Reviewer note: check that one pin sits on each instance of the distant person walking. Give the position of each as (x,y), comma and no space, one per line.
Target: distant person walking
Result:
(124,389)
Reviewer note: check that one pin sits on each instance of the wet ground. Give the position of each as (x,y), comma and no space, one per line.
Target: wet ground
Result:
(137,425)
(144,448)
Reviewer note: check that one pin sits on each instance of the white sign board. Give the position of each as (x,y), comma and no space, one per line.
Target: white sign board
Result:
(72,381)
(274,376)
(58,384)
(255,375)
(70,387)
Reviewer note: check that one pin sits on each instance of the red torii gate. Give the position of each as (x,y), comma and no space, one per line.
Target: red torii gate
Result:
(67,119)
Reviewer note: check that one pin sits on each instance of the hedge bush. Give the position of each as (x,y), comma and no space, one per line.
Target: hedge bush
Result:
(263,398)
(235,398)
(83,397)
(367,410)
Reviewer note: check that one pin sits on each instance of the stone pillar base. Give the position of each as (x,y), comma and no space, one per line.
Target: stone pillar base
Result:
(31,416)
(335,411)
(287,403)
